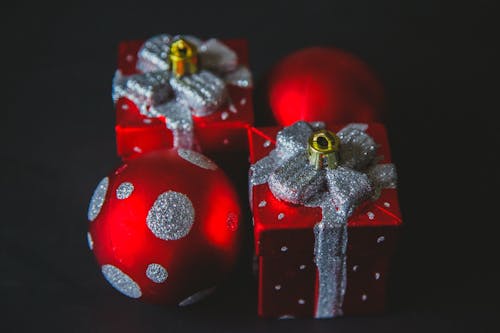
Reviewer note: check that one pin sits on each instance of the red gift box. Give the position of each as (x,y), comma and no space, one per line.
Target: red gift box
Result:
(223,130)
(285,240)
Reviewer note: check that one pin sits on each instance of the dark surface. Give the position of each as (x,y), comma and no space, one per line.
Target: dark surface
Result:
(436,60)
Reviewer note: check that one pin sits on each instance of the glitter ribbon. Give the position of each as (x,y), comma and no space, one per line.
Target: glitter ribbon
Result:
(337,192)
(158,93)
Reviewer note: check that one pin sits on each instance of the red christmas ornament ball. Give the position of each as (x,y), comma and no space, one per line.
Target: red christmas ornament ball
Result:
(163,226)
(324,84)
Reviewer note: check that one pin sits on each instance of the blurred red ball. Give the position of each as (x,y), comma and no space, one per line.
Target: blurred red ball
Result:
(163,227)
(324,84)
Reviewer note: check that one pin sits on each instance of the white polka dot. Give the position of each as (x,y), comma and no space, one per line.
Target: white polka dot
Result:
(380,239)
(197,159)
(355,268)
(97,199)
(224,115)
(386,204)
(129,58)
(90,242)
(171,216)
(301,301)
(263,203)
(196,297)
(377,275)
(371,216)
(147,121)
(137,149)
(281,216)
(302,267)
(284,249)
(233,108)
(156,273)
(243,101)
(266,143)
(277,287)
(364,297)
(124,106)
(121,281)
(124,190)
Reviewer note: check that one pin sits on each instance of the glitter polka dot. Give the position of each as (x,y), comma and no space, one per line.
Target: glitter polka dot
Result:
(266,143)
(197,297)
(171,216)
(97,199)
(137,149)
(281,216)
(197,159)
(156,273)
(263,203)
(90,242)
(124,190)
(233,108)
(121,281)
(371,215)
(243,101)
(224,115)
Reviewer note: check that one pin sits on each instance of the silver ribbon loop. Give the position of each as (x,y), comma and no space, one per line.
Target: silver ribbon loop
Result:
(156,92)
(337,191)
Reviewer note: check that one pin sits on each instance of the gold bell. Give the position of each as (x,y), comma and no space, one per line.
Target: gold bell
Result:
(183,57)
(324,149)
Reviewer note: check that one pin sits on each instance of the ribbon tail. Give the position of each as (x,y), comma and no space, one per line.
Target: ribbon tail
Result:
(179,121)
(330,250)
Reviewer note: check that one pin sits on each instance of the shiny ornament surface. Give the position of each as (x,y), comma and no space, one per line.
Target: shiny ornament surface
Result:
(324,84)
(164,226)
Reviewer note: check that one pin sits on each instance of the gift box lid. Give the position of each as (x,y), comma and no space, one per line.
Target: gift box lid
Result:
(293,224)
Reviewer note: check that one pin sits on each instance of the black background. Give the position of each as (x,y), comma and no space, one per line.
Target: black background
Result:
(436,60)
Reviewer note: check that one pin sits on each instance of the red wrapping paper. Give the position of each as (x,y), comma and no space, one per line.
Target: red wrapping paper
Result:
(224,130)
(284,243)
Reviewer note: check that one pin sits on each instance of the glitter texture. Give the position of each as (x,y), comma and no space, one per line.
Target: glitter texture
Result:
(121,281)
(157,93)
(156,273)
(336,191)
(171,216)
(124,190)
(197,297)
(97,199)
(197,159)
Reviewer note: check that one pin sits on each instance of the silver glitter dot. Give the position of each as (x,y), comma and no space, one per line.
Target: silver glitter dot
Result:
(277,287)
(137,149)
(156,273)
(371,216)
(147,121)
(197,159)
(171,216)
(386,204)
(225,141)
(197,297)
(124,190)
(355,268)
(281,216)
(284,249)
(129,58)
(243,101)
(301,301)
(263,203)
(90,241)
(302,267)
(286,317)
(121,281)
(266,144)
(380,239)
(364,297)
(377,275)
(233,108)
(97,199)
(224,115)
(124,106)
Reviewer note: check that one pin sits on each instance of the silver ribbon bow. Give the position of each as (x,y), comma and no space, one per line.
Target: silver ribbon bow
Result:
(338,192)
(157,92)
